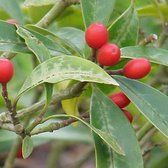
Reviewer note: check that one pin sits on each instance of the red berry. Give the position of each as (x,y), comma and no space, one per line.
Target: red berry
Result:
(19,153)
(120,99)
(96,35)
(128,115)
(137,68)
(108,54)
(6,70)
(11,21)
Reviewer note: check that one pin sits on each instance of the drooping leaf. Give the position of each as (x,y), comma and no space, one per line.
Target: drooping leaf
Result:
(107,117)
(72,37)
(124,31)
(40,45)
(65,67)
(105,136)
(13,9)
(156,55)
(9,40)
(96,11)
(27,147)
(150,102)
(49,92)
(35,45)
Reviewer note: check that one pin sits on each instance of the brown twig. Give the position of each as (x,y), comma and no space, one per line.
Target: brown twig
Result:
(55,126)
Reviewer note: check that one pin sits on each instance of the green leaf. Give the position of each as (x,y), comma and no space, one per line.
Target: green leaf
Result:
(49,92)
(151,103)
(156,55)
(71,37)
(13,9)
(96,11)
(106,137)
(74,38)
(124,31)
(9,40)
(30,3)
(35,45)
(65,67)
(107,117)
(27,147)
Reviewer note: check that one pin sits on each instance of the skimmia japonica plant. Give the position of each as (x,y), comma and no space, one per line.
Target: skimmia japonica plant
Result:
(89,72)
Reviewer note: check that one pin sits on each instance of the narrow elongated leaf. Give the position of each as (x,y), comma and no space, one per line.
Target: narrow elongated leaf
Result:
(151,102)
(156,55)
(9,40)
(13,9)
(72,37)
(124,31)
(27,147)
(65,67)
(96,10)
(105,136)
(36,46)
(107,117)
(49,91)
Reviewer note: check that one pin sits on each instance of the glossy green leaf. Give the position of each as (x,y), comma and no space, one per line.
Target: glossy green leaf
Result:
(96,11)
(65,67)
(150,102)
(40,45)
(35,45)
(105,136)
(107,117)
(9,40)
(124,31)
(27,147)
(156,55)
(71,37)
(30,3)
(49,92)
(13,9)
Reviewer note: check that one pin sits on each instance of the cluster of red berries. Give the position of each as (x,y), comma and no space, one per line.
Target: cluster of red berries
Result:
(109,54)
(121,100)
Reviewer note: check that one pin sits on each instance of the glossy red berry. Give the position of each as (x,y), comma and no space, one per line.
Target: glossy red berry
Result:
(120,99)
(128,115)
(137,68)
(11,21)
(96,35)
(6,70)
(108,54)
(19,153)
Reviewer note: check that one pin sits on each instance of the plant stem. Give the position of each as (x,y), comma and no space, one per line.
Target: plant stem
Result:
(55,126)
(11,109)
(55,11)
(12,155)
(92,56)
(115,72)
(144,130)
(74,91)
